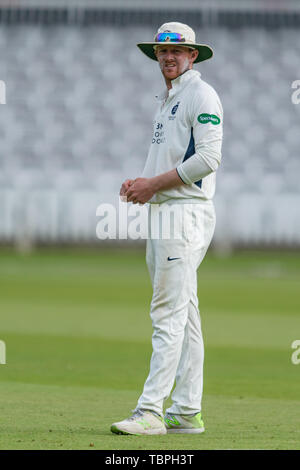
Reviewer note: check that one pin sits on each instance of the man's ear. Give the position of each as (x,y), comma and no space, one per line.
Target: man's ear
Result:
(194,54)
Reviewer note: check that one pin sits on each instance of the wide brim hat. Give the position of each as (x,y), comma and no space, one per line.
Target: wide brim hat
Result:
(186,38)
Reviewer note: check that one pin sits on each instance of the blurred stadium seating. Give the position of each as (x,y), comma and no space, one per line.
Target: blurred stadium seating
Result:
(77,122)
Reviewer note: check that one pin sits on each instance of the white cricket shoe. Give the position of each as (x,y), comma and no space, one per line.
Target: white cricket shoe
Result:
(141,422)
(184,424)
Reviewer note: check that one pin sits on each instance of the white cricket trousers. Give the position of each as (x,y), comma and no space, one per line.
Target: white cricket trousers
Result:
(178,351)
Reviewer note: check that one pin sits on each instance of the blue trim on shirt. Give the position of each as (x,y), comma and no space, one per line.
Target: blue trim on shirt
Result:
(190,151)
(180,176)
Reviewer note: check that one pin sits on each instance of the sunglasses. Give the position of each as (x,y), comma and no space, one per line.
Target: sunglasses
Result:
(169,37)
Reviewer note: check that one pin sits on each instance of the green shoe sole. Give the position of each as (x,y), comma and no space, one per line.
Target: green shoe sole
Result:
(115,430)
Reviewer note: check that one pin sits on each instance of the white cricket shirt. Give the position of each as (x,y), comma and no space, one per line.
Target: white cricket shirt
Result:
(187,135)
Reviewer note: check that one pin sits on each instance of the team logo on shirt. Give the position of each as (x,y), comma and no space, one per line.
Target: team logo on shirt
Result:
(173,111)
(204,118)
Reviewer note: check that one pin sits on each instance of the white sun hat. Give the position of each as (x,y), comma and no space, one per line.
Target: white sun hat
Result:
(179,34)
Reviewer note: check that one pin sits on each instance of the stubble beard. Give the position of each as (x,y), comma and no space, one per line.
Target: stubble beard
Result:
(184,67)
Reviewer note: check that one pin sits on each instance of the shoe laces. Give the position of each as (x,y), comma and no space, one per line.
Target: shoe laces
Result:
(136,414)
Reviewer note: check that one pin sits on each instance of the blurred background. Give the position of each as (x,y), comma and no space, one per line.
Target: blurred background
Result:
(74,311)
(80,102)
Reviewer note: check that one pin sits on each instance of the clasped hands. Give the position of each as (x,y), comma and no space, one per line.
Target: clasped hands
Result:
(137,191)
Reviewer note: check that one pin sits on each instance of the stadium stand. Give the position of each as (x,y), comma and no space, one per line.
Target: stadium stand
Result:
(77,122)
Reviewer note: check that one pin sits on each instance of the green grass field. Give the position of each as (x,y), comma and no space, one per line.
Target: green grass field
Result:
(78,337)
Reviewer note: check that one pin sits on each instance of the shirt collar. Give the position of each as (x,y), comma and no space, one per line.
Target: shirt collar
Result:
(177,83)
(163,95)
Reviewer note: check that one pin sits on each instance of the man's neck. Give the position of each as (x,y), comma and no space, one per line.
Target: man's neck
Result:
(169,82)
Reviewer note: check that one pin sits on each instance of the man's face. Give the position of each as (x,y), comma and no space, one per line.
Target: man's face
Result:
(174,60)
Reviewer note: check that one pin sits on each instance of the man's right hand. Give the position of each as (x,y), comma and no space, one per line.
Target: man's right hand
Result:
(124,188)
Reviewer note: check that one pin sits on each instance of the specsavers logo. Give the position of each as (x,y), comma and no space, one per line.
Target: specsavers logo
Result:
(205,118)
